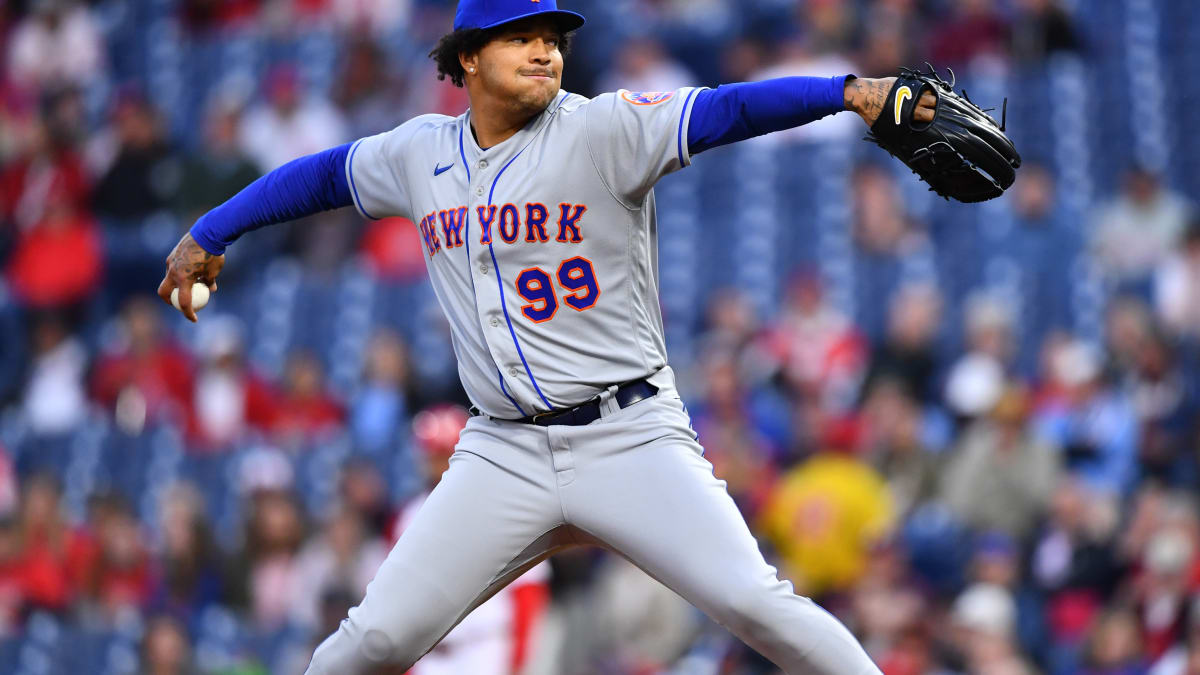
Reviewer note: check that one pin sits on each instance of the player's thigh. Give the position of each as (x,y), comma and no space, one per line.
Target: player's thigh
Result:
(643,487)
(659,505)
(480,527)
(671,517)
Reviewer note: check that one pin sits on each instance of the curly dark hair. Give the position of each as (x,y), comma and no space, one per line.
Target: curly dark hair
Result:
(470,41)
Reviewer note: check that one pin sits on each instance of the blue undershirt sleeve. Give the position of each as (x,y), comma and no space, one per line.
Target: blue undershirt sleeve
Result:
(297,189)
(735,112)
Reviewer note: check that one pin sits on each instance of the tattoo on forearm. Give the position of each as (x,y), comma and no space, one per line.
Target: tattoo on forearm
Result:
(866,97)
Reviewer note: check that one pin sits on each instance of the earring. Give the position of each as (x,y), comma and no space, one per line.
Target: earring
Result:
(471,70)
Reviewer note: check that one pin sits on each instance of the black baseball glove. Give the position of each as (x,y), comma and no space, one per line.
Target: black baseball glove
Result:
(962,153)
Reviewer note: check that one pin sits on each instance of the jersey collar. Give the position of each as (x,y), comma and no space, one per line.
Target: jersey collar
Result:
(517,140)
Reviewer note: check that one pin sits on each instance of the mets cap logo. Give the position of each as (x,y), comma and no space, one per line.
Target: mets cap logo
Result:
(646,97)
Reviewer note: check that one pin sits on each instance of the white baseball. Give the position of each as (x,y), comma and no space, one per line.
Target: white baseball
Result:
(199,296)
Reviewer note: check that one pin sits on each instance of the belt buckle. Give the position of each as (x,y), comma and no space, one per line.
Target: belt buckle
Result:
(548,413)
(563,412)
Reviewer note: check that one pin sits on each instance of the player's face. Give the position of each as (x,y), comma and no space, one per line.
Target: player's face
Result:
(523,64)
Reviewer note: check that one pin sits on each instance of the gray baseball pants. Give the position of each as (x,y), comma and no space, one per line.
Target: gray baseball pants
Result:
(635,482)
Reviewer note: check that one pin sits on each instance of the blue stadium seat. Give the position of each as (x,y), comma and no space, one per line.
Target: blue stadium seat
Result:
(10,649)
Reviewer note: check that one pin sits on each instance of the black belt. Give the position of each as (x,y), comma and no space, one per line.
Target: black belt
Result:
(586,413)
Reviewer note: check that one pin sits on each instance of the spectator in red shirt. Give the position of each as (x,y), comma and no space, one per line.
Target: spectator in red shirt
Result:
(306,408)
(391,252)
(108,560)
(820,352)
(145,376)
(44,543)
(58,262)
(44,158)
(122,580)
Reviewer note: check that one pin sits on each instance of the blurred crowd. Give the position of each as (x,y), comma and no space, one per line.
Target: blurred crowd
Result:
(1017,498)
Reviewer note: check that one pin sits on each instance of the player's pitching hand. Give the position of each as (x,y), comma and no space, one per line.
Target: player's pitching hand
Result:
(186,265)
(866,96)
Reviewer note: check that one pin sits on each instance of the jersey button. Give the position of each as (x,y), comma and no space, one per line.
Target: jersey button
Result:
(512,372)
(483,163)
(495,322)
(483,268)
(479,191)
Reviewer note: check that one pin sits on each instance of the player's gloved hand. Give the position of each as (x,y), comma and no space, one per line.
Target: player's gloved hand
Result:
(186,265)
(947,140)
(867,96)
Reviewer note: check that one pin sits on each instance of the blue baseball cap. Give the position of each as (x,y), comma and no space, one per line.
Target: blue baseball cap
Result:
(493,13)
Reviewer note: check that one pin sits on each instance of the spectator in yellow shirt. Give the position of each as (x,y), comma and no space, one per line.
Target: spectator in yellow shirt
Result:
(823,516)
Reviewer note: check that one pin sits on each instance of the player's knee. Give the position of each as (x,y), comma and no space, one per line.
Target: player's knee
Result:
(356,647)
(376,647)
(402,639)
(744,607)
(395,645)
(760,606)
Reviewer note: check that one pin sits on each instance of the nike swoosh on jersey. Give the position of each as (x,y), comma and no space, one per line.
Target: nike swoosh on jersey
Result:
(439,170)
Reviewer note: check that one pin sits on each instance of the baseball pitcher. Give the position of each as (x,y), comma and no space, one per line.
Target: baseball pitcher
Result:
(535,209)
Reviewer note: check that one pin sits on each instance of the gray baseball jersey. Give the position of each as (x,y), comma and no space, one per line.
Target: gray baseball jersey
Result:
(542,249)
